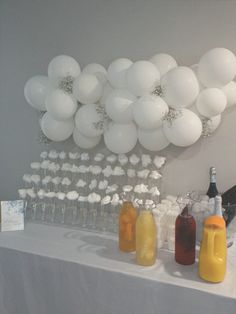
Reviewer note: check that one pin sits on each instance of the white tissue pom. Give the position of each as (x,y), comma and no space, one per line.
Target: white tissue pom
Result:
(56,180)
(107,172)
(61,196)
(106,200)
(103,185)
(154,191)
(41,194)
(66,166)
(44,164)
(123,159)
(131,173)
(95,170)
(22,193)
(127,188)
(73,156)
(159,161)
(72,195)
(27,178)
(83,169)
(141,188)
(99,157)
(143,173)
(35,165)
(112,188)
(44,155)
(115,199)
(81,183)
(84,156)
(94,198)
(50,194)
(74,169)
(111,158)
(31,193)
(155,175)
(53,167)
(146,160)
(118,171)
(46,180)
(93,184)
(83,198)
(62,155)
(53,154)
(134,159)
(35,178)
(66,181)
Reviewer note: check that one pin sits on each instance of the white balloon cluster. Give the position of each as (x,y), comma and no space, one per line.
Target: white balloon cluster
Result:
(155,102)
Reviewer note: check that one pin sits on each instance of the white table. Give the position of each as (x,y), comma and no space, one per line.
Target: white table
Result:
(54,270)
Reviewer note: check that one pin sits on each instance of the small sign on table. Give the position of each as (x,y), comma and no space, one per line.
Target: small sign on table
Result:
(12,215)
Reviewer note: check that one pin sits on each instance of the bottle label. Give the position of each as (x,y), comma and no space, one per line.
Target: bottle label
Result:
(213,178)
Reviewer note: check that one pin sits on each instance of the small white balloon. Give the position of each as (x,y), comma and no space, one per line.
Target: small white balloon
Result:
(120,138)
(217,67)
(87,119)
(87,88)
(96,69)
(60,105)
(55,130)
(142,78)
(119,105)
(153,140)
(85,142)
(184,130)
(211,102)
(149,111)
(63,66)
(117,72)
(230,93)
(180,87)
(106,91)
(35,91)
(164,62)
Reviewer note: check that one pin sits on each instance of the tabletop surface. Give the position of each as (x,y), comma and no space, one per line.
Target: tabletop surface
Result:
(99,250)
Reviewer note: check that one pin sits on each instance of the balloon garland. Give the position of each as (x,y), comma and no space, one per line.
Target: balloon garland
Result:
(155,102)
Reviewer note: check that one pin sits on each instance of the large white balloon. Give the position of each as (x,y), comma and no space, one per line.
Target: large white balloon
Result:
(163,62)
(86,119)
(217,67)
(180,87)
(184,130)
(230,93)
(61,67)
(87,88)
(119,105)
(98,70)
(211,102)
(149,111)
(56,130)
(120,138)
(36,89)
(142,78)
(85,142)
(117,72)
(153,140)
(60,105)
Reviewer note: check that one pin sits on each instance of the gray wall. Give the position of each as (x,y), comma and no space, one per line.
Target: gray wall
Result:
(32,32)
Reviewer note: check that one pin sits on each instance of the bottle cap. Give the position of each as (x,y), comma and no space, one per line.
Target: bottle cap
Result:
(215,221)
(212,170)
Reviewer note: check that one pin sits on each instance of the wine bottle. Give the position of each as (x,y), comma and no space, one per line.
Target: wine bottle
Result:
(212,190)
(218,205)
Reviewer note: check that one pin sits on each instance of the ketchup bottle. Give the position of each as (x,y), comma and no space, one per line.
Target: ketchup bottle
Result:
(185,238)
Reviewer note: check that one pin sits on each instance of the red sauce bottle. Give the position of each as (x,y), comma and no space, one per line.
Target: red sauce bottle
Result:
(185,238)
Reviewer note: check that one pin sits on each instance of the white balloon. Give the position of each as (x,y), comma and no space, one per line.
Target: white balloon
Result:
(211,102)
(35,91)
(96,69)
(86,119)
(120,138)
(106,91)
(184,130)
(217,67)
(85,142)
(154,140)
(163,62)
(230,93)
(180,87)
(87,88)
(119,105)
(142,78)
(56,130)
(149,111)
(194,67)
(63,66)
(117,72)
(60,105)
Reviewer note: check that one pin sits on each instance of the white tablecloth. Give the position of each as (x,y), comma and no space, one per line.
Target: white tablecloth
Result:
(54,270)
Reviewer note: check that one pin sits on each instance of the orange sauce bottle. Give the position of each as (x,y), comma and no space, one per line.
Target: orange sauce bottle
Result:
(127,221)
